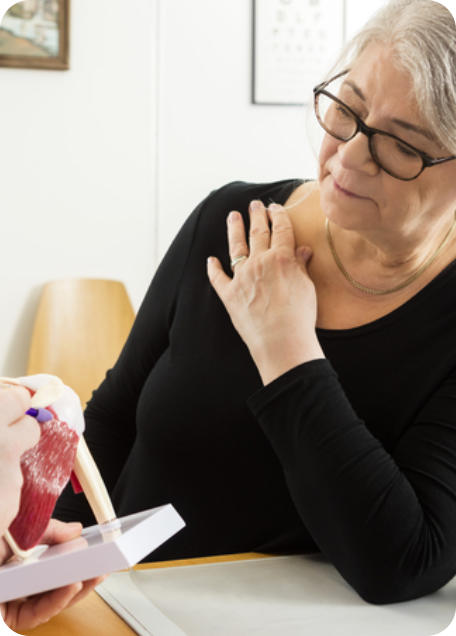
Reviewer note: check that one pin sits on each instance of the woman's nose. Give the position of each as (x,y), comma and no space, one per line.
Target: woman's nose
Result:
(355,155)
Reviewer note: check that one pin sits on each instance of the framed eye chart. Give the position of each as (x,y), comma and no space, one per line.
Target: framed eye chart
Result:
(294,44)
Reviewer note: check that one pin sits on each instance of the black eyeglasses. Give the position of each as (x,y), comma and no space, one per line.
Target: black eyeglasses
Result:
(394,155)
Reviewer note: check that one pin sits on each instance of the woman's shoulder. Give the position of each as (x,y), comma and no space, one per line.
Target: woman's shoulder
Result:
(299,196)
(237,195)
(209,235)
(306,215)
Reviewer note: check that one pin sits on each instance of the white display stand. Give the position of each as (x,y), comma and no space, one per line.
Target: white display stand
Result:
(99,550)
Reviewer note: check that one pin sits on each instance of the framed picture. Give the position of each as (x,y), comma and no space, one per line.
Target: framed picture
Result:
(35,34)
(294,44)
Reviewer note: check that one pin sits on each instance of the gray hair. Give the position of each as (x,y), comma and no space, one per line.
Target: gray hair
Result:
(422,36)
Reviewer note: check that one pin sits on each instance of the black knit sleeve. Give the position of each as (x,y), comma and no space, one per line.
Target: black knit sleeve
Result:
(387,521)
(110,414)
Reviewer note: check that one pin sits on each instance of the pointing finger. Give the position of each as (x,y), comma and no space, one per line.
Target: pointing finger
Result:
(14,402)
(236,235)
(259,233)
(26,432)
(282,230)
(303,255)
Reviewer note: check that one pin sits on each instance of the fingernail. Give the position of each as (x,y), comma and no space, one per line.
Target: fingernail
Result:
(233,216)
(304,252)
(275,207)
(255,205)
(41,415)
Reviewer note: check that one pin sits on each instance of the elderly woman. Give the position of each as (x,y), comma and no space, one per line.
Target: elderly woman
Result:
(325,420)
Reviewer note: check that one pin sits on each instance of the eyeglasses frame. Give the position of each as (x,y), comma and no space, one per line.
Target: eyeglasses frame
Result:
(428,161)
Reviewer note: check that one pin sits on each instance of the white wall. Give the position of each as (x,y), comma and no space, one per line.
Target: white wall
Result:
(77,166)
(102,163)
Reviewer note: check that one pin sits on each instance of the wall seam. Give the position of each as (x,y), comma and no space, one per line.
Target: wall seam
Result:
(157,137)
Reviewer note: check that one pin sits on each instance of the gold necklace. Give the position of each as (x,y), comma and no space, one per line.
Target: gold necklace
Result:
(408,281)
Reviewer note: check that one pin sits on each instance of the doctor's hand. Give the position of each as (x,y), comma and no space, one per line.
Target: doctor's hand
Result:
(27,613)
(271,299)
(18,433)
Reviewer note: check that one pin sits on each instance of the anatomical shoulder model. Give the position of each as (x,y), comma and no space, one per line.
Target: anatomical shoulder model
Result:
(61,454)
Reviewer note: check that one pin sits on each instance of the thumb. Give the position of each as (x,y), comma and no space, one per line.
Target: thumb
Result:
(59,532)
(303,255)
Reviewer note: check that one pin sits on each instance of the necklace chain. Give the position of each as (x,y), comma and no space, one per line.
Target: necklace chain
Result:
(408,281)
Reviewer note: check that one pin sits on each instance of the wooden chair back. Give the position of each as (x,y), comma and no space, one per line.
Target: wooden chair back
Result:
(80,328)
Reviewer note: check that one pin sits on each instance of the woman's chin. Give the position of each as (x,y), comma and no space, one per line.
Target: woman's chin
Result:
(341,210)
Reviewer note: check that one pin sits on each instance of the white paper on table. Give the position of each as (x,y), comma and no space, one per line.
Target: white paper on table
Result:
(97,551)
(289,595)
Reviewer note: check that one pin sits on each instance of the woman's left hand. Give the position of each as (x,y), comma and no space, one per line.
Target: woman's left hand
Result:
(271,299)
(26,613)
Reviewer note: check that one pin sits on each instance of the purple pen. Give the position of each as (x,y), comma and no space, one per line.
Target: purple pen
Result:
(41,415)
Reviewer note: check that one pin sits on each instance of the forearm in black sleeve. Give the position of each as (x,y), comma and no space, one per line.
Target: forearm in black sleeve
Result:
(387,522)
(110,414)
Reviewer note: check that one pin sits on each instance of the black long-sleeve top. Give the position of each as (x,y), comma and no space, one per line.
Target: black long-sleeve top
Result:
(353,455)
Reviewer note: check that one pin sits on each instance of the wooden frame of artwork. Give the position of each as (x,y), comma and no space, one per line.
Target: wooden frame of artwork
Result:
(35,34)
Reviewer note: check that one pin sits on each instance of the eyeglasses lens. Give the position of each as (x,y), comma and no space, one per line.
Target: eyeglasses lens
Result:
(393,156)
